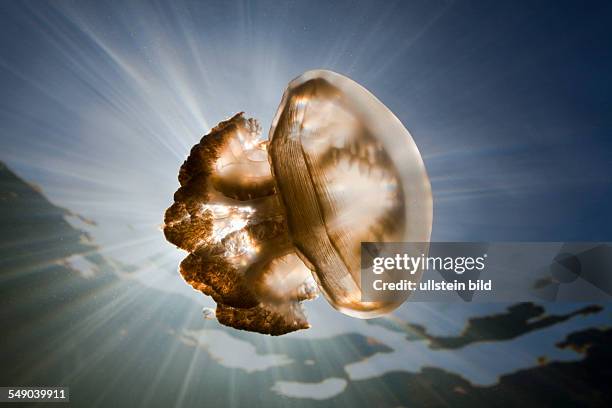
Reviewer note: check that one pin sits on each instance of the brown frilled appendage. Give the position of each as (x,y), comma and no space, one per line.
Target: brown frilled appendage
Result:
(227,216)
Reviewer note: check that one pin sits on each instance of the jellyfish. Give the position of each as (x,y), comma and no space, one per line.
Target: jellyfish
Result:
(269,223)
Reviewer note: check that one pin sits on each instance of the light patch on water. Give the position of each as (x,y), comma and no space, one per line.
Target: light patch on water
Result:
(328,388)
(82,265)
(232,352)
(480,363)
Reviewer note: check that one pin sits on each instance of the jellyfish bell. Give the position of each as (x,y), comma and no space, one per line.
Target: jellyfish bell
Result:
(268,222)
(347,171)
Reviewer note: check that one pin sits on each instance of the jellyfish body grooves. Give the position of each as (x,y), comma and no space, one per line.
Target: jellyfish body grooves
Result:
(347,172)
(227,216)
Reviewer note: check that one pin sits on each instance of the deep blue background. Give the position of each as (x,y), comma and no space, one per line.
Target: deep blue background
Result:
(509,102)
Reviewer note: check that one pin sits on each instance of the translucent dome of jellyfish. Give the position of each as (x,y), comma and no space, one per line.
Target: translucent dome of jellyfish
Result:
(271,223)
